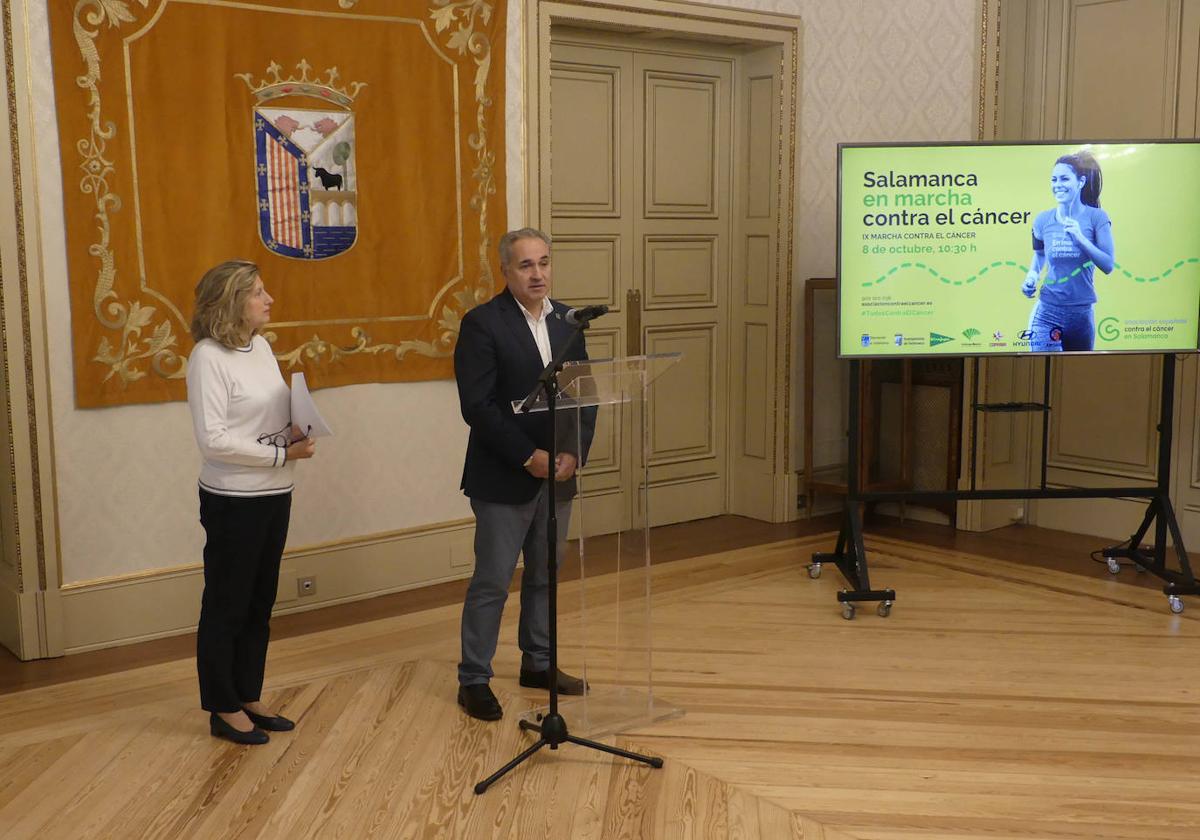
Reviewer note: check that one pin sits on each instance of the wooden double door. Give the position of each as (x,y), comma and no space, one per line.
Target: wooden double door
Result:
(642,205)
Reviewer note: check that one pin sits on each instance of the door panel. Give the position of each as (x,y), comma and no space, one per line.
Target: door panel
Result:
(586,270)
(1185,489)
(591,95)
(683,414)
(603,467)
(592,225)
(1096,439)
(682,142)
(684,260)
(753,374)
(1095,433)
(587,143)
(680,271)
(646,231)
(1141,71)
(755,429)
(1095,69)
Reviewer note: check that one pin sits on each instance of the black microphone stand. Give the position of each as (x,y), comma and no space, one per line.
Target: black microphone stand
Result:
(553,728)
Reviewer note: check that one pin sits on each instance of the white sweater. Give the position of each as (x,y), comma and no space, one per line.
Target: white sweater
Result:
(237,398)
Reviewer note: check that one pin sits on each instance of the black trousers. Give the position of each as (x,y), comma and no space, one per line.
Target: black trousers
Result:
(244,539)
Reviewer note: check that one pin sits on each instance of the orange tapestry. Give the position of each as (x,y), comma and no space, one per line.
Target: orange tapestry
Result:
(352,148)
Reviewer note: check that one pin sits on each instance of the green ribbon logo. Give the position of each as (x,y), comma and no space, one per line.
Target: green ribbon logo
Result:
(1108,329)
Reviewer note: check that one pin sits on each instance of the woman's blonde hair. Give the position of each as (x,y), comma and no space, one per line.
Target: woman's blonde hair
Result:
(220,312)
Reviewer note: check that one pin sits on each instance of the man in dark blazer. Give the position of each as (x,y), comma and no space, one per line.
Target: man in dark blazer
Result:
(503,346)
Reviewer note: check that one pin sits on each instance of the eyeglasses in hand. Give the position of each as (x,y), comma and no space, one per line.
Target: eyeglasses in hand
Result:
(283,438)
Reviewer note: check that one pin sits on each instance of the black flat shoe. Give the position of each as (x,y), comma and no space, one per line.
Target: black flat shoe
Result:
(541,679)
(271,723)
(479,702)
(221,729)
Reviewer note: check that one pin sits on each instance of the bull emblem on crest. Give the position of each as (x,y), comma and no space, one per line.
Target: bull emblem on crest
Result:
(305,167)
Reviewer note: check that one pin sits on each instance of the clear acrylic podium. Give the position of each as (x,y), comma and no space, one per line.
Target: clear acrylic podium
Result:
(604,617)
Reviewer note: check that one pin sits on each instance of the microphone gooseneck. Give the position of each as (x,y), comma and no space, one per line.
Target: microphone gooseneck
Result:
(584,314)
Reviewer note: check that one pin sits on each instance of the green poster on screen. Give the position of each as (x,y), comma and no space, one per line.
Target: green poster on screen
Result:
(1036,248)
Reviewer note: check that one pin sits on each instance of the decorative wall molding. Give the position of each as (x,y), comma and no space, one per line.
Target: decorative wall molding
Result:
(697,341)
(155,604)
(691,282)
(755,431)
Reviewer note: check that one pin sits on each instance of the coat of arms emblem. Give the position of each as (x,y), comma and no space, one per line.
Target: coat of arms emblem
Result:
(305,168)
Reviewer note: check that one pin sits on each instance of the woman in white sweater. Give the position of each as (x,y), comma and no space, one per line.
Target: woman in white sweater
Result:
(241,414)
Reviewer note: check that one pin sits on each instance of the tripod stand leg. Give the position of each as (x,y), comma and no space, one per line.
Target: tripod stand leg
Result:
(1147,521)
(487,783)
(1185,565)
(1143,560)
(853,566)
(861,579)
(653,761)
(837,557)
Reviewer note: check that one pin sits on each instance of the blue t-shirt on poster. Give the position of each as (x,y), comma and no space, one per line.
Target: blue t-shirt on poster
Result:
(1069,271)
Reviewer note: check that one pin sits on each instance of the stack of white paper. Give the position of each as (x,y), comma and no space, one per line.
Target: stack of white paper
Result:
(304,411)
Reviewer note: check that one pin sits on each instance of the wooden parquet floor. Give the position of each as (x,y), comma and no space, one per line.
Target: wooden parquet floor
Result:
(999,701)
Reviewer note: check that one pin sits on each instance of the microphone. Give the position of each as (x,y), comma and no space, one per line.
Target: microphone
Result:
(584,314)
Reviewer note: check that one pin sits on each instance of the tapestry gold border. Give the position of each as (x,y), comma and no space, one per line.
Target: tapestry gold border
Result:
(437,299)
(141,340)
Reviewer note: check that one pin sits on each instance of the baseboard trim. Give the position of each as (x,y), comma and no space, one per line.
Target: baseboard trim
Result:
(1113,519)
(143,607)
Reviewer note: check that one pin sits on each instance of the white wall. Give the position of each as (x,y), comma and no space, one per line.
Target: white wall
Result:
(872,70)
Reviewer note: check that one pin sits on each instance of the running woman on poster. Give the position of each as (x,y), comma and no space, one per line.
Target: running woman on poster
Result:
(1069,241)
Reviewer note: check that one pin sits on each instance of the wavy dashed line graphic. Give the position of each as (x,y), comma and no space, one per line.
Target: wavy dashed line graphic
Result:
(949,281)
(1156,278)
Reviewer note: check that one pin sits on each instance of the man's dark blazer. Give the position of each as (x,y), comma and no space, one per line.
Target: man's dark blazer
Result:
(496,361)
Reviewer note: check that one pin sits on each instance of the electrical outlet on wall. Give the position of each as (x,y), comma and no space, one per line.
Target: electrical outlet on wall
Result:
(306,586)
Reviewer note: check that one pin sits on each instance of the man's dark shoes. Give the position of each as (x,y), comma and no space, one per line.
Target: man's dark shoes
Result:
(219,728)
(541,679)
(271,723)
(479,702)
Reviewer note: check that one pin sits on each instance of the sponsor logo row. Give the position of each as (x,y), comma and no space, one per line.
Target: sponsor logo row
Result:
(1109,329)
(935,339)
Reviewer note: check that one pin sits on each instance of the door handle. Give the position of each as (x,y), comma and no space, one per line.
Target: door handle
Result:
(633,323)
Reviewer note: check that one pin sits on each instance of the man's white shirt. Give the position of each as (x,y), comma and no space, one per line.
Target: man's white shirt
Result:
(537,326)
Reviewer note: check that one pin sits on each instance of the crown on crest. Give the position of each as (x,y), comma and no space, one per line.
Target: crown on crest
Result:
(277,87)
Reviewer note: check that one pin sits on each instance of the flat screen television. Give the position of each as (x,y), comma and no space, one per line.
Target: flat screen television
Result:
(1012,248)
